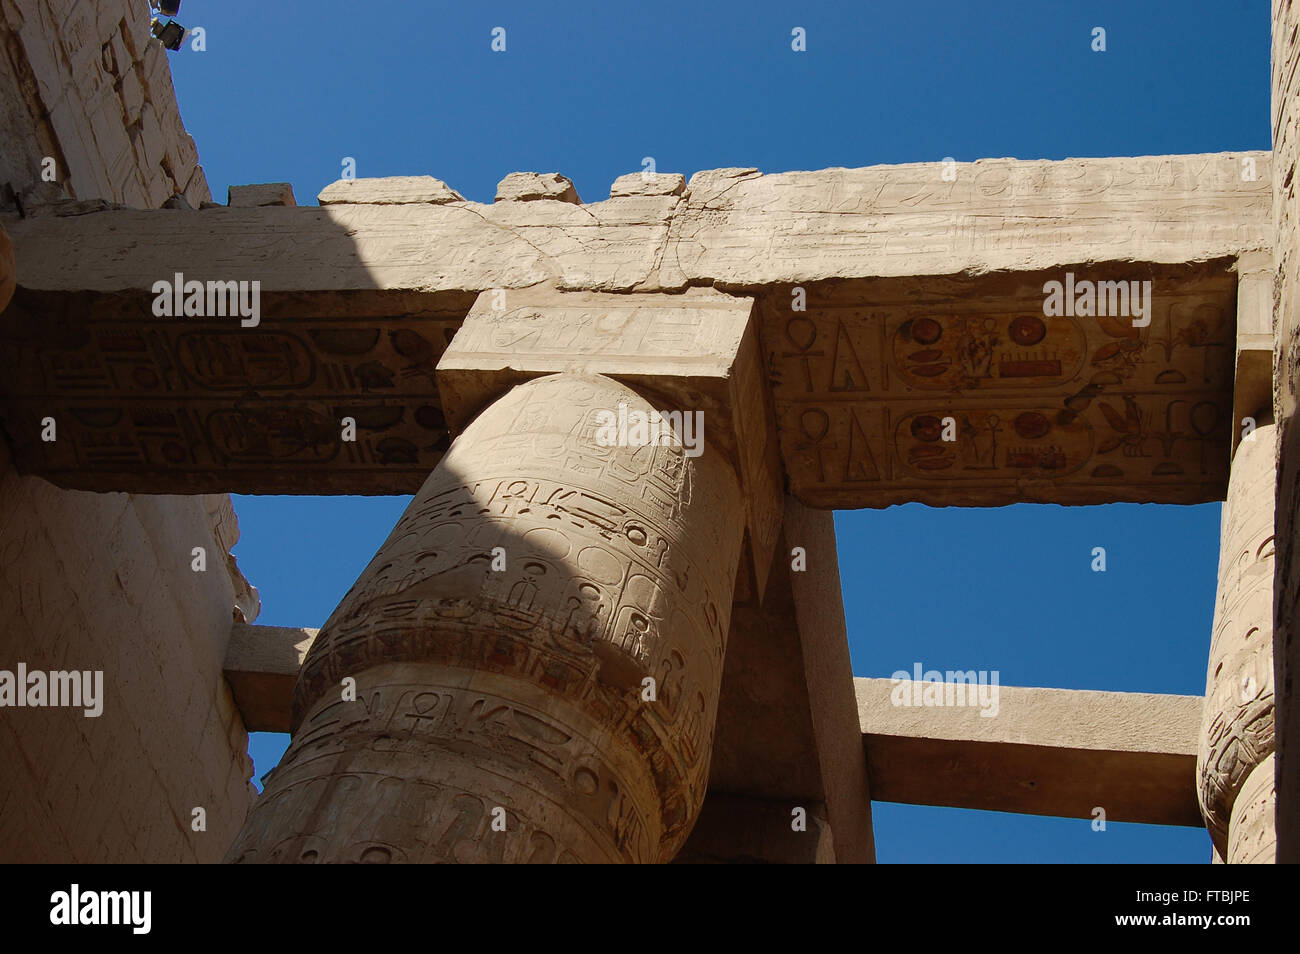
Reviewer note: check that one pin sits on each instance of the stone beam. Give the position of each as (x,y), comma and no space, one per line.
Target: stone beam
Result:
(1056,752)
(897,331)
(261,665)
(788,734)
(732,227)
(961,391)
(1252,393)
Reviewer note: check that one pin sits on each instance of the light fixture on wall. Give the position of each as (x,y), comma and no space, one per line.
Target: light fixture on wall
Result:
(171,33)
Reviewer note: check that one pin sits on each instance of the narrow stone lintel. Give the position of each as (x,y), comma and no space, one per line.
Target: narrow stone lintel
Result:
(828,672)
(1060,752)
(262,663)
(697,351)
(787,729)
(1252,394)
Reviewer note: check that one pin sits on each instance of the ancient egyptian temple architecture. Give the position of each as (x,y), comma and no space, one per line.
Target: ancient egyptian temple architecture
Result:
(609,625)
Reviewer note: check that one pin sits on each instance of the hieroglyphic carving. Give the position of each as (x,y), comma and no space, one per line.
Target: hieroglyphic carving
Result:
(1067,409)
(619,565)
(1237,721)
(420,761)
(217,406)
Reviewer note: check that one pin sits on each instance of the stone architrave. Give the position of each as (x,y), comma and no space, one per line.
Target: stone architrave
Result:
(1237,720)
(537,651)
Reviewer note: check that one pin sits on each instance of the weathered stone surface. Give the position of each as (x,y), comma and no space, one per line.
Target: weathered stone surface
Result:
(459,246)
(624,244)
(532,186)
(1286,320)
(391,190)
(105,581)
(261,666)
(85,85)
(1252,839)
(743,228)
(648,183)
(261,194)
(1237,724)
(1046,752)
(520,688)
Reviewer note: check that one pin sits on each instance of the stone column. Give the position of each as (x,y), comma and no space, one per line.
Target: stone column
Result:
(1235,758)
(505,642)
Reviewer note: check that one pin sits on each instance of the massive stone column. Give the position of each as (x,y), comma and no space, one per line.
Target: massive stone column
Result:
(537,647)
(1237,721)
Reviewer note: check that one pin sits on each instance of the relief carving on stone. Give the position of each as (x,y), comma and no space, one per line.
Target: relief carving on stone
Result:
(617,568)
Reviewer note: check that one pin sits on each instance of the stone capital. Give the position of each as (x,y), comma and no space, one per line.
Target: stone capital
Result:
(693,352)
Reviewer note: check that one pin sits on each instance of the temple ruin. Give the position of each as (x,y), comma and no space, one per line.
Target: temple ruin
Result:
(578,649)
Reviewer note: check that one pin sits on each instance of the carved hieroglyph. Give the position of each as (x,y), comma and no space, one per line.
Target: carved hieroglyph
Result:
(520,688)
(1051,409)
(911,247)
(1237,721)
(219,406)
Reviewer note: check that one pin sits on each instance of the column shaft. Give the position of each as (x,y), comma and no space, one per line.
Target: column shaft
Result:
(537,648)
(1237,721)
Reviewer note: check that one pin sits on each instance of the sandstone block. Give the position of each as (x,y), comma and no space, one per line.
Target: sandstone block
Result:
(531,186)
(390,190)
(256,196)
(648,183)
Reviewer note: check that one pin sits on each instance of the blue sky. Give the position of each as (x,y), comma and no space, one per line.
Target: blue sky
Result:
(284,92)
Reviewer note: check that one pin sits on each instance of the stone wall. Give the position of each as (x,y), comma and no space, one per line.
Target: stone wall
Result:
(104,581)
(84,83)
(1286,645)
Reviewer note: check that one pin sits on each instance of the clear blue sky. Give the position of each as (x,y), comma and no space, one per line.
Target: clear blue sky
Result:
(285,91)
